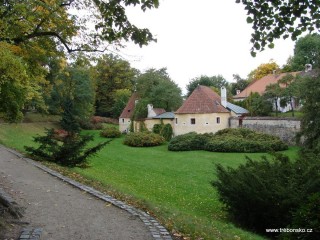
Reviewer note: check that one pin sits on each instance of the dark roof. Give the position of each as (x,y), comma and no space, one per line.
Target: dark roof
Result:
(166,115)
(129,109)
(202,100)
(236,109)
(259,86)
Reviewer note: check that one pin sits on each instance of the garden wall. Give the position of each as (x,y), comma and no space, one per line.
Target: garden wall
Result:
(285,128)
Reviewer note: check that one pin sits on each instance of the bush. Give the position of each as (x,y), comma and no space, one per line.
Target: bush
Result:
(110,132)
(143,139)
(67,150)
(164,130)
(189,142)
(271,193)
(228,140)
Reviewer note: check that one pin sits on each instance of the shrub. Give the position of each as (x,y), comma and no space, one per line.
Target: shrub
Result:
(189,142)
(143,139)
(68,150)
(228,140)
(164,130)
(110,132)
(272,193)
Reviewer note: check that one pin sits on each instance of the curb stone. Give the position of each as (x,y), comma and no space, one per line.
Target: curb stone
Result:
(157,231)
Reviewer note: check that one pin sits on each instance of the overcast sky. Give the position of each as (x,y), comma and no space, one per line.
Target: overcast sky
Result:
(203,37)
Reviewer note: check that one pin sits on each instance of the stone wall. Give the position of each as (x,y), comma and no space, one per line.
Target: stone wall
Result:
(285,128)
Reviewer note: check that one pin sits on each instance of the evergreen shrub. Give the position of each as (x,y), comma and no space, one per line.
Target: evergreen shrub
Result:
(143,139)
(164,130)
(272,193)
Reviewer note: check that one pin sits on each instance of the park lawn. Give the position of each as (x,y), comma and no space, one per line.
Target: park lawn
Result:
(175,186)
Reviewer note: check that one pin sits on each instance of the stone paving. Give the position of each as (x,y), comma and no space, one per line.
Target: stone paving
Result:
(158,231)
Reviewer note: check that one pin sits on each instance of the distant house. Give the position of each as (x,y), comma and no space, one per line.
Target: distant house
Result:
(127,114)
(204,111)
(260,85)
(155,116)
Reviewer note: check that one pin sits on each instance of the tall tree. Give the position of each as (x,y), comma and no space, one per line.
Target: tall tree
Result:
(239,85)
(306,51)
(112,74)
(215,81)
(272,19)
(156,87)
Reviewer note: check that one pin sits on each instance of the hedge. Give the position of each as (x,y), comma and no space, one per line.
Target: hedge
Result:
(143,139)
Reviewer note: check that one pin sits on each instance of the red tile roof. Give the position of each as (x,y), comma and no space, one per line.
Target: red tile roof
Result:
(129,109)
(260,85)
(202,100)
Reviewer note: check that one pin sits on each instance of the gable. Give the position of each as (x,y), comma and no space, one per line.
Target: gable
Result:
(129,109)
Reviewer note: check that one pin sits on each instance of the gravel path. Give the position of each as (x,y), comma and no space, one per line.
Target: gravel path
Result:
(62,211)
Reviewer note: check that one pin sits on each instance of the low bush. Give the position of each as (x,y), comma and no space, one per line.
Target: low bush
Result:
(110,132)
(272,193)
(189,142)
(143,139)
(228,140)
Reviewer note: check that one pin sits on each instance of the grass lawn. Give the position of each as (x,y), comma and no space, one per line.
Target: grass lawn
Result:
(175,186)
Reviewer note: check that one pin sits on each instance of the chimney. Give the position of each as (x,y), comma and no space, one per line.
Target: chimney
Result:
(308,67)
(224,97)
(238,91)
(150,112)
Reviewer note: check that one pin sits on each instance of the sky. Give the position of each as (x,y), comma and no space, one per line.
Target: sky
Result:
(203,37)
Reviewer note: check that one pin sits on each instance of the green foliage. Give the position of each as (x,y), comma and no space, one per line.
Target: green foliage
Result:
(274,19)
(165,130)
(228,140)
(14,83)
(264,194)
(189,142)
(143,139)
(256,105)
(27,21)
(309,88)
(244,140)
(215,81)
(114,77)
(156,87)
(66,149)
(306,51)
(140,109)
(110,132)
(307,216)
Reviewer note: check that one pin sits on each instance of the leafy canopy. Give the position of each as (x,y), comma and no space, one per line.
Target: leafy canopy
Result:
(272,19)
(75,25)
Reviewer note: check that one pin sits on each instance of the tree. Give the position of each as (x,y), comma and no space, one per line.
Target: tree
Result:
(262,70)
(272,19)
(214,81)
(99,22)
(273,93)
(112,74)
(240,84)
(157,88)
(257,105)
(290,91)
(306,51)
(309,88)
(120,98)
(14,84)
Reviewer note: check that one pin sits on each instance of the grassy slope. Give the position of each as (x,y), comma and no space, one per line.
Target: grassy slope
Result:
(174,185)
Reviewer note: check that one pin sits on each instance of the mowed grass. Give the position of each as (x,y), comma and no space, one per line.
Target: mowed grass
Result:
(175,186)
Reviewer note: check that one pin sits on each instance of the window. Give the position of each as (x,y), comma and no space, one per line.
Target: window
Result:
(218,120)
(176,120)
(193,121)
(122,120)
